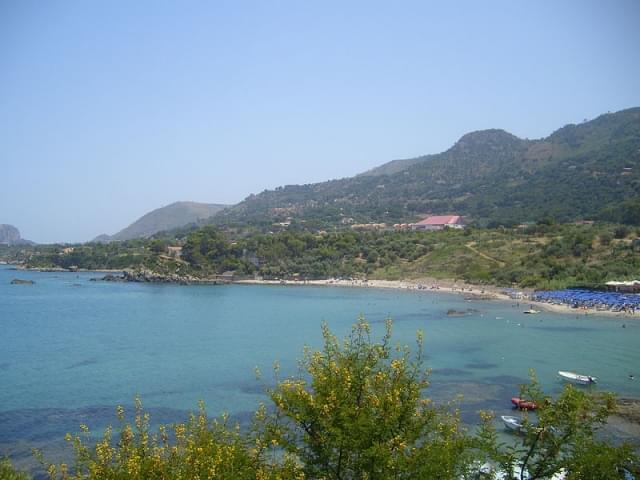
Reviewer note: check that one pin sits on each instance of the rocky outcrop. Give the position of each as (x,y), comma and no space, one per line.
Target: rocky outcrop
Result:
(9,234)
(149,276)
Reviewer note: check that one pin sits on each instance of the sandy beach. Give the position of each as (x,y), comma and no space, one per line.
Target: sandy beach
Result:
(427,285)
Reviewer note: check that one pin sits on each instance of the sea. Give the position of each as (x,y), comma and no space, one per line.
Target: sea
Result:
(72,349)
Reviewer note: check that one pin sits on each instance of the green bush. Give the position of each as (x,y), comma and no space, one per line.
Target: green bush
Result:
(7,472)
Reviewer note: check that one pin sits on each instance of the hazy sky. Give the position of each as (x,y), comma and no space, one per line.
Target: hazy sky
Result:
(111,109)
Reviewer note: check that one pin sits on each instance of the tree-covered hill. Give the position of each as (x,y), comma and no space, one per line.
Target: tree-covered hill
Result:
(590,170)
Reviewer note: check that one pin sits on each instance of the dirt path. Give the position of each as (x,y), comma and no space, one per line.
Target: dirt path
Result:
(471,247)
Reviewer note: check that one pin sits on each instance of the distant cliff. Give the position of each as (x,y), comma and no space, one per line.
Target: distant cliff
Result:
(10,235)
(172,216)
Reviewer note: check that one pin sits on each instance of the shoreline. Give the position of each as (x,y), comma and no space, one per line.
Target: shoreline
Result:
(429,285)
(476,292)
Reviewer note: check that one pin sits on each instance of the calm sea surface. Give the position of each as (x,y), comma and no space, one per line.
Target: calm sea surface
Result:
(72,349)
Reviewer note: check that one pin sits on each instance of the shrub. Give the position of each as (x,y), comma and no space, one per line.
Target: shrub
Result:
(605,238)
(359,413)
(621,232)
(7,472)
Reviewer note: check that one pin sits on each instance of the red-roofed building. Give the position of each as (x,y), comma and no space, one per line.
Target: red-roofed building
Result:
(438,222)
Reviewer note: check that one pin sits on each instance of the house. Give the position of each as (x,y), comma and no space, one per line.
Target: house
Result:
(438,222)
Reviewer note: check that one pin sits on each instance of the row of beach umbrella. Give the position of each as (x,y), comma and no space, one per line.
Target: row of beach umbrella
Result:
(577,298)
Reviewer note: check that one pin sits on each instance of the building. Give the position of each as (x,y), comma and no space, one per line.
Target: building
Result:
(632,286)
(402,227)
(369,226)
(438,222)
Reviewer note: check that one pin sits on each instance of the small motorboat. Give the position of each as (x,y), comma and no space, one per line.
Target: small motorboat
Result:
(531,311)
(577,378)
(512,423)
(523,404)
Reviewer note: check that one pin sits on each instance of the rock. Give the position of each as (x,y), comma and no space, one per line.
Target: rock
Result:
(9,234)
(18,281)
(629,409)
(149,276)
(461,313)
(111,278)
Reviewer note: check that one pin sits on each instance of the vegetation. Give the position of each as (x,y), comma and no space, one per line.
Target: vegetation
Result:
(357,410)
(544,255)
(92,256)
(7,472)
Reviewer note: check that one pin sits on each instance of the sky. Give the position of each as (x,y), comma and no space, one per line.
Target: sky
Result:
(111,109)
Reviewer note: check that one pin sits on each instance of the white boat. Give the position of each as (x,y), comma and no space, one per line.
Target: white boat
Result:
(512,423)
(531,311)
(577,378)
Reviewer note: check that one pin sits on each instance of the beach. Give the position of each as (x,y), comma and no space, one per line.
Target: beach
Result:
(520,298)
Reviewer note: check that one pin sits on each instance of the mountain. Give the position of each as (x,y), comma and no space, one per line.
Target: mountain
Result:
(10,235)
(172,216)
(588,170)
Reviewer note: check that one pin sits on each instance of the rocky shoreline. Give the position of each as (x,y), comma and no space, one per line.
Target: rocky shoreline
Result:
(149,276)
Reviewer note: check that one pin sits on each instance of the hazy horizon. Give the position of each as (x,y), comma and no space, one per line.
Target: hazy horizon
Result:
(112,110)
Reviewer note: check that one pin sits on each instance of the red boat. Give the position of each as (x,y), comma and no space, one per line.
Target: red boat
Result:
(523,404)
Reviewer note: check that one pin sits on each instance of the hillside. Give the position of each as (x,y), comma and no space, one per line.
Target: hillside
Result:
(172,216)
(590,170)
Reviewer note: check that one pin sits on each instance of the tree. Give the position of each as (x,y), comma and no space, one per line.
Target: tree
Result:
(358,412)
(206,247)
(621,232)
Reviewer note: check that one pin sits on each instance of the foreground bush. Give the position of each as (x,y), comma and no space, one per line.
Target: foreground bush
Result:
(359,413)
(197,449)
(356,411)
(7,472)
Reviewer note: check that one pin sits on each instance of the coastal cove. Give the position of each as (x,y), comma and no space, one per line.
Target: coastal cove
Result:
(72,349)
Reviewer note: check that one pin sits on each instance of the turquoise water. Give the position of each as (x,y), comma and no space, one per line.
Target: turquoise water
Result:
(71,349)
